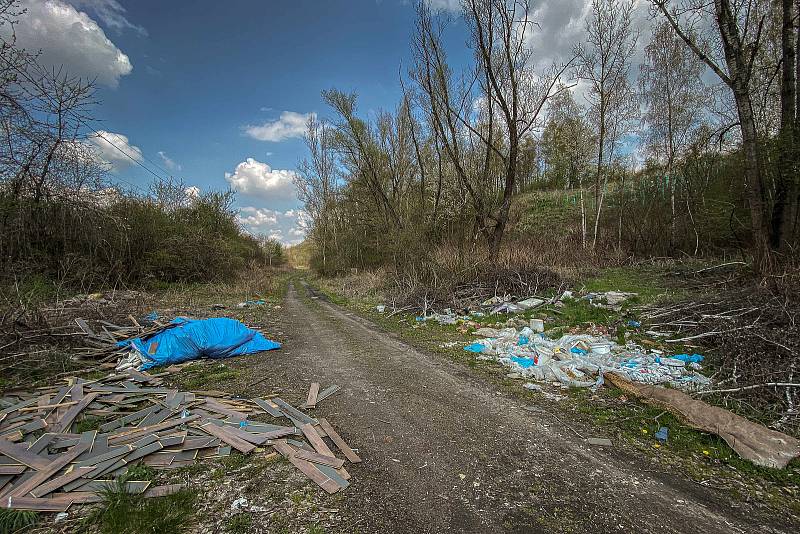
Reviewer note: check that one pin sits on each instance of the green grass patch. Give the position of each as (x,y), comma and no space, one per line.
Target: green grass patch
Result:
(88,423)
(640,422)
(141,472)
(17,521)
(121,512)
(649,283)
(203,375)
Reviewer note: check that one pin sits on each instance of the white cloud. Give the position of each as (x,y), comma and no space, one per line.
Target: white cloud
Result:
(169,163)
(289,227)
(257,179)
(69,38)
(110,149)
(290,124)
(192,192)
(454,6)
(110,13)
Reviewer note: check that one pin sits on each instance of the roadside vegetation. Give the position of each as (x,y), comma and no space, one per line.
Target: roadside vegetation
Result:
(672,174)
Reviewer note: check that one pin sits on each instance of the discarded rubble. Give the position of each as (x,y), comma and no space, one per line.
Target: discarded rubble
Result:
(46,465)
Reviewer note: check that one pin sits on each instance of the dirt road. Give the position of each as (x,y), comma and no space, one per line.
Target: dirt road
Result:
(445,452)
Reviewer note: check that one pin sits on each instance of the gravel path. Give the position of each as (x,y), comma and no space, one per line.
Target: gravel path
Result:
(444,451)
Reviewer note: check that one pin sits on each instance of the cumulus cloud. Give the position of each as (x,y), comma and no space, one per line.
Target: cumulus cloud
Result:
(289,124)
(192,192)
(110,13)
(111,149)
(289,227)
(257,179)
(70,38)
(168,162)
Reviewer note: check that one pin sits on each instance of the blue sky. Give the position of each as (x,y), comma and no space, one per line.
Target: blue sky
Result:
(217,93)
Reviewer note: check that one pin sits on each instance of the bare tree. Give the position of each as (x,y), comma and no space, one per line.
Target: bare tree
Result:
(605,62)
(505,88)
(316,183)
(674,99)
(731,51)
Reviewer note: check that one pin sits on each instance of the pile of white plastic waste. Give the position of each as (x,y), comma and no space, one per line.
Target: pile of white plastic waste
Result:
(580,360)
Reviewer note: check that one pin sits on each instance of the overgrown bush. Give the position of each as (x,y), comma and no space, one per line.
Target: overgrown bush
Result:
(124,239)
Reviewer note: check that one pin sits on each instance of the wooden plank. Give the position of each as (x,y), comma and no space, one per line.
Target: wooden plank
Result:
(315,440)
(19,432)
(58,482)
(128,435)
(327,392)
(339,442)
(12,469)
(198,443)
(22,455)
(216,407)
(65,422)
(313,392)
(340,476)
(307,468)
(155,418)
(316,458)
(141,452)
(269,408)
(228,437)
(159,459)
(32,503)
(41,444)
(293,413)
(52,468)
(122,421)
(105,456)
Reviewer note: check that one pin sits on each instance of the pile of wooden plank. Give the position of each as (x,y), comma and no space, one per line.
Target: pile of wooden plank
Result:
(48,464)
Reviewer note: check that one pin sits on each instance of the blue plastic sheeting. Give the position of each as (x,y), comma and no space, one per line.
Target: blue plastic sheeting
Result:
(694,358)
(475,347)
(191,339)
(523,362)
(523,340)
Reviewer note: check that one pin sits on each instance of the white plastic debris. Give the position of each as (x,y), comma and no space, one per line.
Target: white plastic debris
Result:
(580,360)
(381,308)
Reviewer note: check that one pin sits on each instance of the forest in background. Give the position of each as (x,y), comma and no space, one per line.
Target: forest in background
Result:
(64,226)
(691,153)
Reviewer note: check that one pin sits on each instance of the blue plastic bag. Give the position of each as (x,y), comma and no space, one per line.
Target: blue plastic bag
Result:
(191,339)
(694,358)
(475,347)
(523,362)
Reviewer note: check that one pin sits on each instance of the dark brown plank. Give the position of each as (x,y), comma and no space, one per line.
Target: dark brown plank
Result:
(22,455)
(313,457)
(58,482)
(316,441)
(307,468)
(228,437)
(52,468)
(338,441)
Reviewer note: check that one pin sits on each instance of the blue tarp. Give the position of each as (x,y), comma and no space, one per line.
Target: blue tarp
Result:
(190,339)
(475,347)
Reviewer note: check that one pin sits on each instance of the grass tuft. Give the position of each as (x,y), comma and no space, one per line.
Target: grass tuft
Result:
(17,521)
(121,512)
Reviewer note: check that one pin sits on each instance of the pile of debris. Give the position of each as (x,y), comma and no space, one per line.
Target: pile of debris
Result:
(611,300)
(47,465)
(580,360)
